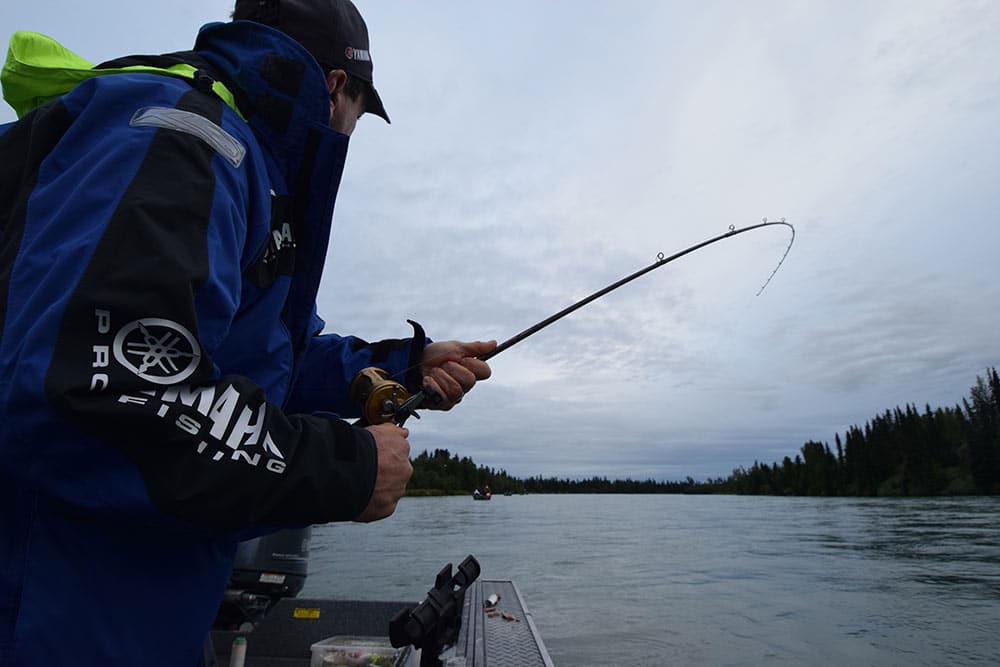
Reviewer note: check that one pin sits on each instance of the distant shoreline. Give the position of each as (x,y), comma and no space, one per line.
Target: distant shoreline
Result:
(905,452)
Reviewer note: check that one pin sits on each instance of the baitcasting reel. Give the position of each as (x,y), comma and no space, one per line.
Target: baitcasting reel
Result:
(382,400)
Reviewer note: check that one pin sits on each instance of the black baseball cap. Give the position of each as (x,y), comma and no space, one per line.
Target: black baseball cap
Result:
(331,30)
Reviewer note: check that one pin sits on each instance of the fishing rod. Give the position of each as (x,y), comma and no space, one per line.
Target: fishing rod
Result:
(384,400)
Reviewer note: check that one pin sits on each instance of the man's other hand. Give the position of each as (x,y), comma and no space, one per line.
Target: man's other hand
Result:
(394,471)
(451,368)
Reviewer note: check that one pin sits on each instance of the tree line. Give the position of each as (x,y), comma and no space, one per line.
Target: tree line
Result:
(901,452)
(442,473)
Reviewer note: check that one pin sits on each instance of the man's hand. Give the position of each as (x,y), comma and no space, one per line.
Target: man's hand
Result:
(451,369)
(394,471)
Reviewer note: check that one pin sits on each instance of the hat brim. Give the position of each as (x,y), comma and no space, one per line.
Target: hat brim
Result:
(373,103)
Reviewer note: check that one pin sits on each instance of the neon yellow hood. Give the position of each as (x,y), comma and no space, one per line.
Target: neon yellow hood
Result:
(39,69)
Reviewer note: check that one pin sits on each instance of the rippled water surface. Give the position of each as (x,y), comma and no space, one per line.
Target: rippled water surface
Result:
(713,580)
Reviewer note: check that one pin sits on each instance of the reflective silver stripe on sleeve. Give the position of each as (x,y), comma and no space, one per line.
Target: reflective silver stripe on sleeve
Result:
(224,143)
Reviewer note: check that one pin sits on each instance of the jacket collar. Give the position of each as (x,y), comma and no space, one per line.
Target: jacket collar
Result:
(283,90)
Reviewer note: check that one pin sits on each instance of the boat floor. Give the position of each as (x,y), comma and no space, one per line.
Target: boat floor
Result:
(498,637)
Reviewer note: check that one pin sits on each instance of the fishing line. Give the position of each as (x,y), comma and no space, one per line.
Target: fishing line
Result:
(780,261)
(406,409)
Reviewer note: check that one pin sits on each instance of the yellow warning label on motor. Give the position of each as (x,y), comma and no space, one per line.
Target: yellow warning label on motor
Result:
(305,612)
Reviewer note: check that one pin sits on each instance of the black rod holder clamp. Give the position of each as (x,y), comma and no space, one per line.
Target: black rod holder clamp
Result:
(433,625)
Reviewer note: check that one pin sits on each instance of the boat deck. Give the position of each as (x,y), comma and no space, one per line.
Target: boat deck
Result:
(505,636)
(500,636)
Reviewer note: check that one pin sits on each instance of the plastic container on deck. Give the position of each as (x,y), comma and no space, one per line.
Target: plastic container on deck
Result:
(356,652)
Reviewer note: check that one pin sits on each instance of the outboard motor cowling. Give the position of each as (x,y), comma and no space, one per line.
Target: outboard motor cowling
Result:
(265,570)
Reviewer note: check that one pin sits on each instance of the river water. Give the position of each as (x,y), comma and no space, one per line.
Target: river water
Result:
(703,580)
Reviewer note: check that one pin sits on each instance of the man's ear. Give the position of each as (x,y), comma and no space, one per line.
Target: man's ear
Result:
(336,80)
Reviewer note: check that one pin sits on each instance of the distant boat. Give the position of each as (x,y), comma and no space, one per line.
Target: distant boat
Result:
(482,494)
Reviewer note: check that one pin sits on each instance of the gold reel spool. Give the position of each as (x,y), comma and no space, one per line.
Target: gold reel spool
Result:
(378,396)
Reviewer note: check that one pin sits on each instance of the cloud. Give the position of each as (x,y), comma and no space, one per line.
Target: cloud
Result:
(539,152)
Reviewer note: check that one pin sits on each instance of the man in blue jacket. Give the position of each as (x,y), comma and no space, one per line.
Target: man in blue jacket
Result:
(165,390)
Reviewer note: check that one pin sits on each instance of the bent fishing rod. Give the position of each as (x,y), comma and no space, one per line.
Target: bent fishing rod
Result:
(385,400)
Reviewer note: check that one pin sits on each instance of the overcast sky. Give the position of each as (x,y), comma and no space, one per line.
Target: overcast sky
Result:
(542,150)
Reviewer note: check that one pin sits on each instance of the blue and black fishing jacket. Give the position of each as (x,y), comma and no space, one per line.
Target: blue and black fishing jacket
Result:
(164,387)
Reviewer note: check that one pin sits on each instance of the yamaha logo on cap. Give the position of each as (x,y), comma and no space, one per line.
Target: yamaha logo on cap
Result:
(352,53)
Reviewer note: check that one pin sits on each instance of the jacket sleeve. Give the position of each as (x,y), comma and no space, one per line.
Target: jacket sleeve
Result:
(132,363)
(331,362)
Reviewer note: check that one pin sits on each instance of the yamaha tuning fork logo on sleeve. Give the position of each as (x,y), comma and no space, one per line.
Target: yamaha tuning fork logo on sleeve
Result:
(157,350)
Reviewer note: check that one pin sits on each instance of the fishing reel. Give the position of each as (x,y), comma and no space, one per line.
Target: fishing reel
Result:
(382,400)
